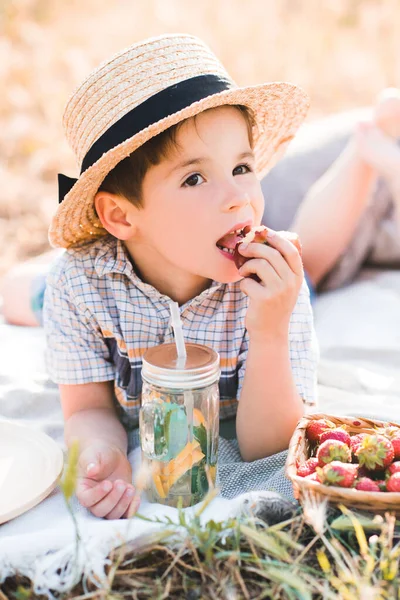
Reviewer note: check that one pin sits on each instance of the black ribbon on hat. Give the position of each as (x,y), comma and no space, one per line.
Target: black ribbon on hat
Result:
(167,102)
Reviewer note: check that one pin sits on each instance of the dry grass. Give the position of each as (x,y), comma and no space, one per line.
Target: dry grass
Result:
(341,52)
(317,553)
(247,559)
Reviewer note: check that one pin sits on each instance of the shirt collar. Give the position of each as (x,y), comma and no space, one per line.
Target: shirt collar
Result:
(112,257)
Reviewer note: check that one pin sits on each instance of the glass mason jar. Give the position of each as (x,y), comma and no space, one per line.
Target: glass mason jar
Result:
(179,422)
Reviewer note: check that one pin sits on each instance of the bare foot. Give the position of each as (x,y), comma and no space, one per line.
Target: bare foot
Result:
(378,150)
(387,112)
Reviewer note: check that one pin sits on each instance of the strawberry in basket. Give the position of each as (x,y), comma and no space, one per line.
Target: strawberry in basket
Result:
(393,434)
(338,473)
(366,484)
(308,467)
(393,483)
(333,450)
(375,452)
(393,468)
(355,442)
(316,428)
(348,453)
(338,433)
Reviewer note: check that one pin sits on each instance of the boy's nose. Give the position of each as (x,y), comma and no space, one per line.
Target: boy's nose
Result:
(235,199)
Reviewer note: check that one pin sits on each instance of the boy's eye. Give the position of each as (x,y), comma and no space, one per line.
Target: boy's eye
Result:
(242,169)
(193,180)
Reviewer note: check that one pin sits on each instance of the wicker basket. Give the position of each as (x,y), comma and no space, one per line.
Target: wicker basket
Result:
(299,451)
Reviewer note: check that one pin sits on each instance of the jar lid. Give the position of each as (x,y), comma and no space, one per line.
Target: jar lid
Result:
(162,367)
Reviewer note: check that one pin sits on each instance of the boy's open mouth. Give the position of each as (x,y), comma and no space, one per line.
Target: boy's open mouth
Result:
(228,241)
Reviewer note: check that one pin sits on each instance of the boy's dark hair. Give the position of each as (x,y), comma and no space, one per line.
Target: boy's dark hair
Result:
(126,178)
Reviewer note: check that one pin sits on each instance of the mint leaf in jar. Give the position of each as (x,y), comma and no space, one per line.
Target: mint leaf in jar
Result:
(200,434)
(199,482)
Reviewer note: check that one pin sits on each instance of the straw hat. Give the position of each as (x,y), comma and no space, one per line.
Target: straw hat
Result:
(139,93)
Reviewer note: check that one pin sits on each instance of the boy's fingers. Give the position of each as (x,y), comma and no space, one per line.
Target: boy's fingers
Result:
(132,508)
(288,250)
(271,264)
(121,509)
(89,494)
(110,501)
(283,259)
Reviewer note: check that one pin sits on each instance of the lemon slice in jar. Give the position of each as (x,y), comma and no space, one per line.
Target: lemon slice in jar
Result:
(198,418)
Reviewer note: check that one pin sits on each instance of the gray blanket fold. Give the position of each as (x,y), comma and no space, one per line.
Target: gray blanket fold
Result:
(235,477)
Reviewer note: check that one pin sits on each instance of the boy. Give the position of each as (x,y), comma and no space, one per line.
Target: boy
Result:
(172,153)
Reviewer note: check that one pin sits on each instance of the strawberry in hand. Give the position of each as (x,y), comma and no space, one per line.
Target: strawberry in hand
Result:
(272,274)
(258,235)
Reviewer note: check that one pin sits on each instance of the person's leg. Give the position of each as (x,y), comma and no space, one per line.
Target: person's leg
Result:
(328,216)
(383,154)
(329,213)
(22,289)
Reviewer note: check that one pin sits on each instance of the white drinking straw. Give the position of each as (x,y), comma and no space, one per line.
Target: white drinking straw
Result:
(177,327)
(180,363)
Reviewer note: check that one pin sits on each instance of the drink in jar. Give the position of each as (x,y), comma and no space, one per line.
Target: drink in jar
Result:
(179,423)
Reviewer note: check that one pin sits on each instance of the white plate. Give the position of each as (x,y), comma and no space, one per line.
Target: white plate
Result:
(31,464)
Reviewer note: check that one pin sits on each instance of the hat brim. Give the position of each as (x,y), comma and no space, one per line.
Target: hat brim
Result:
(278,108)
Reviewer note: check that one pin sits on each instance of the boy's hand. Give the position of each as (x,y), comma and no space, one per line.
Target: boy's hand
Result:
(105,482)
(273,299)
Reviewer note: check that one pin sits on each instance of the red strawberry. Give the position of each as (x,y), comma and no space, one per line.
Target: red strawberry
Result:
(333,450)
(393,483)
(396,446)
(315,428)
(356,441)
(255,234)
(393,434)
(308,467)
(259,235)
(313,477)
(338,473)
(335,434)
(367,485)
(393,468)
(375,452)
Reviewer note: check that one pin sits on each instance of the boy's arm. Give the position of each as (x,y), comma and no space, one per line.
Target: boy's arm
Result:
(89,414)
(78,359)
(270,405)
(279,354)
(104,483)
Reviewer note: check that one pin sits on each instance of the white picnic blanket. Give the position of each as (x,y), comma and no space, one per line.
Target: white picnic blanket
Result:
(359,332)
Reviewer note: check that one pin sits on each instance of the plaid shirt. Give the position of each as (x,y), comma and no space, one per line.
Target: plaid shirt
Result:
(100,318)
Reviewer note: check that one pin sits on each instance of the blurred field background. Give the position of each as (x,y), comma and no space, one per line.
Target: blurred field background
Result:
(343,52)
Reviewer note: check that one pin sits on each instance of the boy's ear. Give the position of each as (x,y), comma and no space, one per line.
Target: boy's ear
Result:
(116,214)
